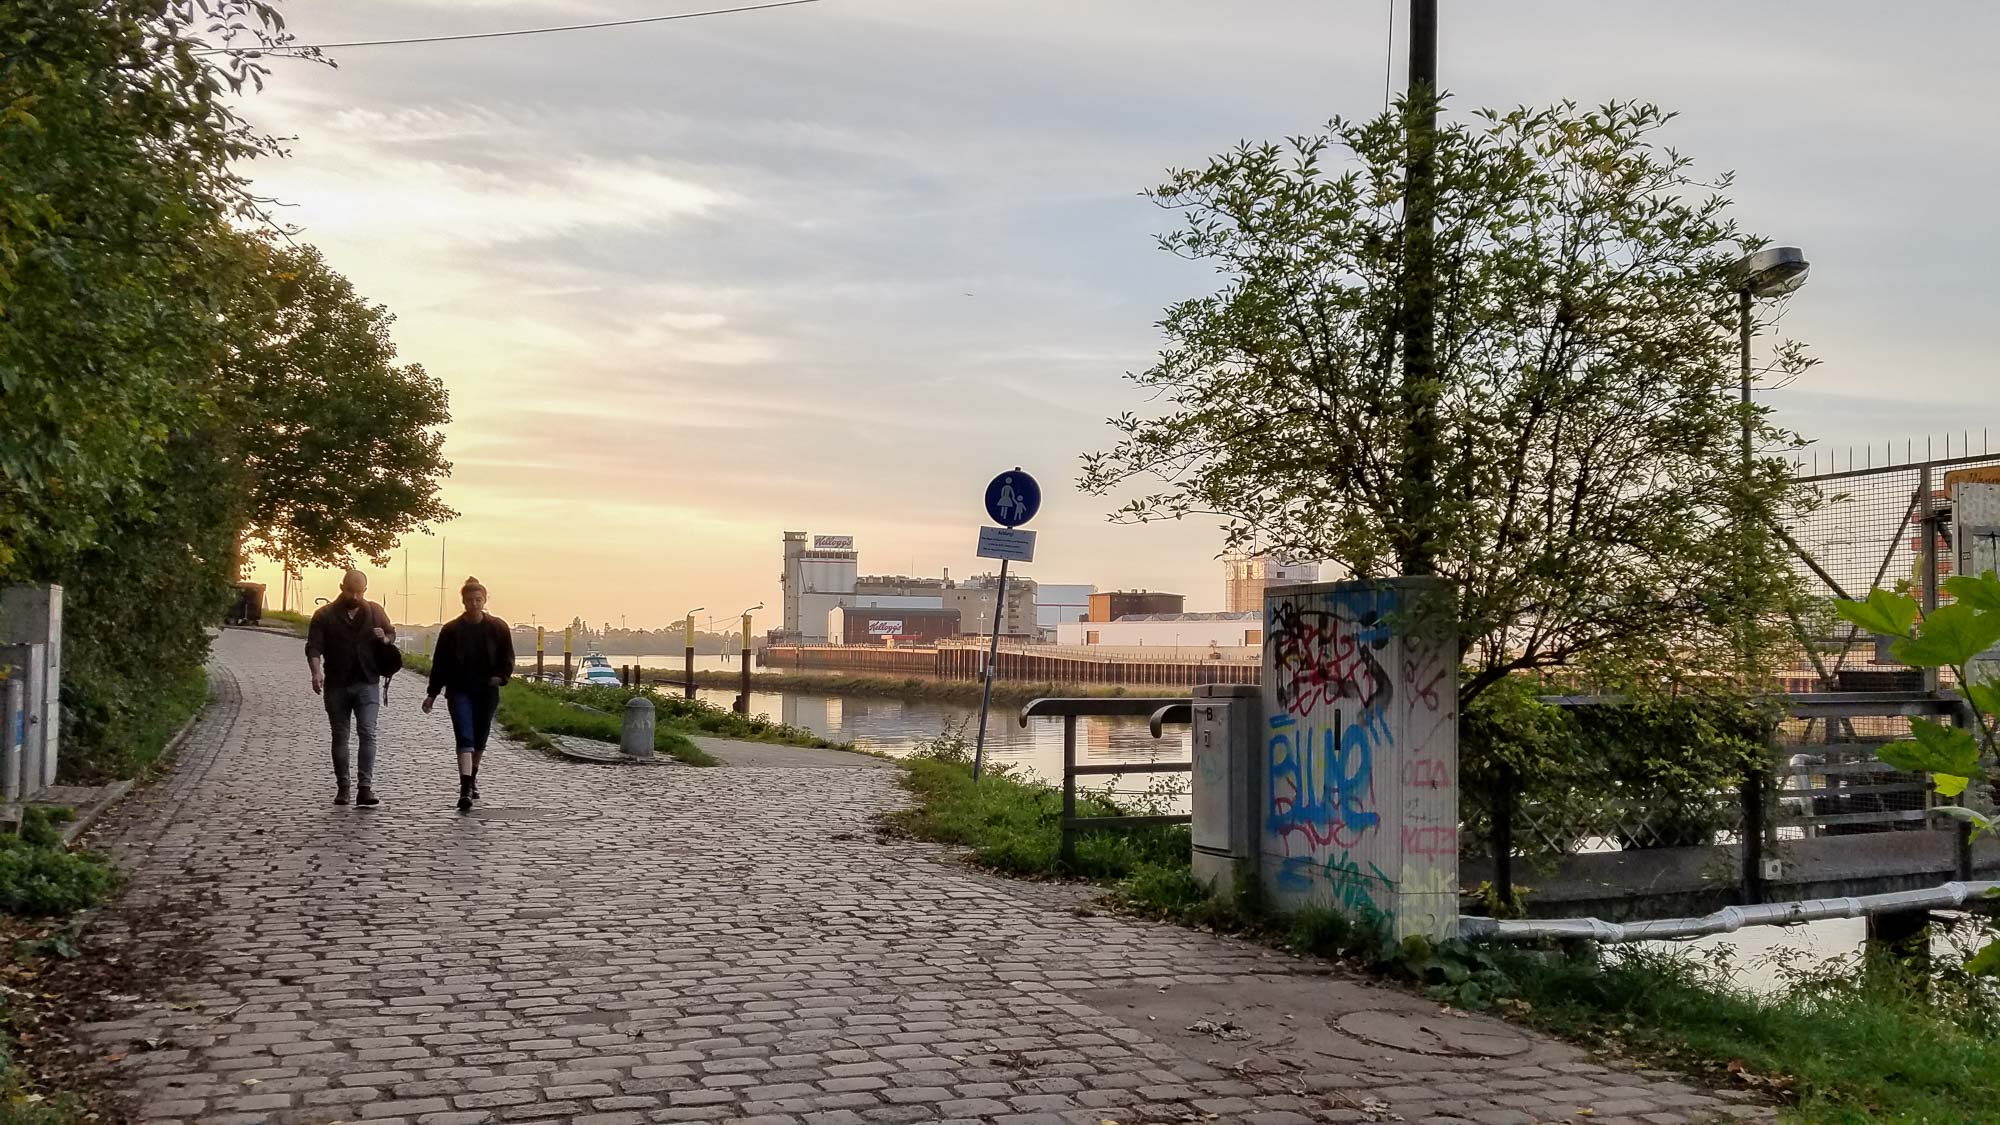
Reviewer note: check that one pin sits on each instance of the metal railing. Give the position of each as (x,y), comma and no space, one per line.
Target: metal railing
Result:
(1822,779)
(1158,711)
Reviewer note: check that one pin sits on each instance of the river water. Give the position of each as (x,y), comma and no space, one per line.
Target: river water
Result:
(895,727)
(1761,955)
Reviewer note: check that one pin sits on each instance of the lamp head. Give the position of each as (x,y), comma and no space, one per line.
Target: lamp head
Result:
(1771,272)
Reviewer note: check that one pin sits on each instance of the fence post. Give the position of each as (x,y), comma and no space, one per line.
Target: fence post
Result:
(1069,792)
(1752,835)
(1503,836)
(1962,716)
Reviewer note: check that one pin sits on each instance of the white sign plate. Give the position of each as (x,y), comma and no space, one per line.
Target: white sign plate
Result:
(886,628)
(1009,543)
(833,542)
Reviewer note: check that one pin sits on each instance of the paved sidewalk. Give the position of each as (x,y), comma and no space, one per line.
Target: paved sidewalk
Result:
(608,947)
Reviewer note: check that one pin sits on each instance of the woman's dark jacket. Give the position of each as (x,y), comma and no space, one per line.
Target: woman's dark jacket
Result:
(470,655)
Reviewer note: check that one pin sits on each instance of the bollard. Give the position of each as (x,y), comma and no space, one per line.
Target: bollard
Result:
(635,737)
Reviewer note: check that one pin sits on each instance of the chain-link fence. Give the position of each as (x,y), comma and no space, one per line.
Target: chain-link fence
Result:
(1873,526)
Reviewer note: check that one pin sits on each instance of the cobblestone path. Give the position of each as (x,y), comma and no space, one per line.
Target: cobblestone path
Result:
(607,945)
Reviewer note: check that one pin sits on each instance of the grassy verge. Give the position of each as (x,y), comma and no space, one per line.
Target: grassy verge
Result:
(695,716)
(1844,1044)
(532,712)
(1011,824)
(105,741)
(285,619)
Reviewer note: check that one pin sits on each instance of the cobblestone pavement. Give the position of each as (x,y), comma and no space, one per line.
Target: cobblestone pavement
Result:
(604,946)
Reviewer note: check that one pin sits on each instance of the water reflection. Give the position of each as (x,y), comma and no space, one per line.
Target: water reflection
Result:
(896,726)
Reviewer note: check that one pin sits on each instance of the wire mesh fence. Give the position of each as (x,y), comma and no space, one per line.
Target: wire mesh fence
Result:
(1875,525)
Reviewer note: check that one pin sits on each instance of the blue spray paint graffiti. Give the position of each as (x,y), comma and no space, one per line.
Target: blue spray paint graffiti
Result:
(1322,781)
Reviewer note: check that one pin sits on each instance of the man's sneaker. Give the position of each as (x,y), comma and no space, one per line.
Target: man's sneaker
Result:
(465,802)
(367,798)
(340,796)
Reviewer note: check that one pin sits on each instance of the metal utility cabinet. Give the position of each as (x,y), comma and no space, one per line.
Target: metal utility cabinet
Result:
(1226,783)
(31,652)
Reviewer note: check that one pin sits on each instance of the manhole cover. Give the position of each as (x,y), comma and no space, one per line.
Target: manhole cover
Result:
(527,814)
(1431,1034)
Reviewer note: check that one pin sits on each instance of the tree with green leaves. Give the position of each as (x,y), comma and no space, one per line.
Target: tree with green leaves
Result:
(119,176)
(1954,636)
(339,447)
(1592,500)
(168,384)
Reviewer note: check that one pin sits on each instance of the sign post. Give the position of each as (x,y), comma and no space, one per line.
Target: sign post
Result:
(1012,499)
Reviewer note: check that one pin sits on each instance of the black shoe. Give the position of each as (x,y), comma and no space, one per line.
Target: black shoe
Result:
(465,803)
(367,798)
(475,791)
(340,796)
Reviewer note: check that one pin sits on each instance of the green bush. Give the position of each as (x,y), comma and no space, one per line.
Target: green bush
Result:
(39,877)
(117,727)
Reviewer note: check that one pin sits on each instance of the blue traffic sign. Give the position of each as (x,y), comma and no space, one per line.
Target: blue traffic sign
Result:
(1013,498)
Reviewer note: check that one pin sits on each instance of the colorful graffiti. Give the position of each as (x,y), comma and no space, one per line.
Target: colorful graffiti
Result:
(1322,782)
(1321,658)
(1361,794)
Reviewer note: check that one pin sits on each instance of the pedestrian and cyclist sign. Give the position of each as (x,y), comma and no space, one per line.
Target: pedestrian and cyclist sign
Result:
(1012,499)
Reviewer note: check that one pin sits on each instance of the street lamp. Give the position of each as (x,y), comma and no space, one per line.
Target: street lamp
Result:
(1771,272)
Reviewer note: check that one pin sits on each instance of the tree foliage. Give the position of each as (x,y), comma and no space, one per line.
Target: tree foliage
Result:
(340,447)
(1592,500)
(167,382)
(118,178)
(1959,636)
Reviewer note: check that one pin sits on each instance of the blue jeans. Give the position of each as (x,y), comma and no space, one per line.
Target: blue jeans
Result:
(354,705)
(472,716)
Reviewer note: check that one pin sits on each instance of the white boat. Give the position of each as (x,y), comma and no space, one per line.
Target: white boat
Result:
(596,671)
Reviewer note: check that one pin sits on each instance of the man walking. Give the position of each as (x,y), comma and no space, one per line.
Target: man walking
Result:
(341,650)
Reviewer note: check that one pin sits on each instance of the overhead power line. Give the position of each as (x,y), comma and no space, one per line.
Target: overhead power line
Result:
(500,34)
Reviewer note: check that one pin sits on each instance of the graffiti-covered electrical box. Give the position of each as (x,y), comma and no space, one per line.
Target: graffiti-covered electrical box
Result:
(1360,793)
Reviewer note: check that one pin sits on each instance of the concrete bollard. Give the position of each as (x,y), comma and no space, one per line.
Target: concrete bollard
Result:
(635,737)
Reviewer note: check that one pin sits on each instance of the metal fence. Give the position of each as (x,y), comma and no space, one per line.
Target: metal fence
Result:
(1877,524)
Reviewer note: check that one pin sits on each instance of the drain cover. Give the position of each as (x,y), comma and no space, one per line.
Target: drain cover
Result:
(1431,1034)
(527,814)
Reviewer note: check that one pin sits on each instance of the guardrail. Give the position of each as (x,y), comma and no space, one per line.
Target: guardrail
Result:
(1158,711)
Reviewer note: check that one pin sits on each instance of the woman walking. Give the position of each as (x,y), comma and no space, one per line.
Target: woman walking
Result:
(474,656)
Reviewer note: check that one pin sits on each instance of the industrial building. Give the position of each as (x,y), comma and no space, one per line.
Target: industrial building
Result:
(1246,577)
(1168,630)
(974,598)
(1114,604)
(817,579)
(849,625)
(1057,602)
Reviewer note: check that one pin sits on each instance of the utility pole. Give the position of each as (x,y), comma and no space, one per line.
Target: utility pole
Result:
(441,581)
(1420,390)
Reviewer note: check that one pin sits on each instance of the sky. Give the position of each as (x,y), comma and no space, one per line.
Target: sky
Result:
(830,268)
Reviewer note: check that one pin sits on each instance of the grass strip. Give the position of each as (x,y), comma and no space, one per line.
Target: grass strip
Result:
(286,619)
(533,712)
